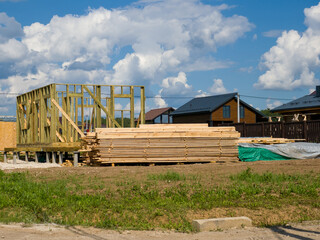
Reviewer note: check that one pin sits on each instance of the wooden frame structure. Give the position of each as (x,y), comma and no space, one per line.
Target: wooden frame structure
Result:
(56,116)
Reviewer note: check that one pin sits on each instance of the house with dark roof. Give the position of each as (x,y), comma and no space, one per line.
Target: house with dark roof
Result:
(302,109)
(159,115)
(216,110)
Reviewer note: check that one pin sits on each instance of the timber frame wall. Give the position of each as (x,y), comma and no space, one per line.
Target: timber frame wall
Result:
(56,116)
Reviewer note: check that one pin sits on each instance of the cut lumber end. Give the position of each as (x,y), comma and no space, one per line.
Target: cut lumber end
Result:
(215,224)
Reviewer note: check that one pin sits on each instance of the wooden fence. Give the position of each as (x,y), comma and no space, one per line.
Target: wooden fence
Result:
(309,130)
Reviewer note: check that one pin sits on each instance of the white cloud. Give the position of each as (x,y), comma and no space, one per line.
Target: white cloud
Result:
(273,104)
(218,87)
(162,41)
(272,33)
(176,88)
(293,61)
(176,85)
(9,28)
(160,102)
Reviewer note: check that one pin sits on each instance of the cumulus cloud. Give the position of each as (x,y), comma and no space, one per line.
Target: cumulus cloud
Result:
(217,87)
(293,61)
(163,41)
(173,88)
(9,28)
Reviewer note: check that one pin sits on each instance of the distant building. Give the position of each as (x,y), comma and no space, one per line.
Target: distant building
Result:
(302,109)
(160,115)
(216,110)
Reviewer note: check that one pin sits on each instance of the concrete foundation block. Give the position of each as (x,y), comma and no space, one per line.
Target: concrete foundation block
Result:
(215,224)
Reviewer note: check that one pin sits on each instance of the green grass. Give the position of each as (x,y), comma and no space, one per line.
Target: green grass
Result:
(156,201)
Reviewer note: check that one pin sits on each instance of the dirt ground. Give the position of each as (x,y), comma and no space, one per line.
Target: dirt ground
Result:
(221,171)
(303,231)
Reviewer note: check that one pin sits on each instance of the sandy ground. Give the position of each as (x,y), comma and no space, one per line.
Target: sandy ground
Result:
(26,165)
(303,231)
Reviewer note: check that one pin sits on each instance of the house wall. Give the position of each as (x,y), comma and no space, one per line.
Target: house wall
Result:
(249,116)
(192,118)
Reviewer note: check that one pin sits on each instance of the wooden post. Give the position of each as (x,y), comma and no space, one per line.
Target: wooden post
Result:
(75,159)
(305,131)
(60,157)
(36,154)
(47,157)
(142,110)
(131,106)
(282,130)
(14,157)
(262,126)
(5,159)
(54,157)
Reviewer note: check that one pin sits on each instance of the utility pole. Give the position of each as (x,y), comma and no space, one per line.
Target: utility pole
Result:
(238,107)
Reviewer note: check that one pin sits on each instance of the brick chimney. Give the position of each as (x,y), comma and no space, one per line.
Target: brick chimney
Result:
(317,91)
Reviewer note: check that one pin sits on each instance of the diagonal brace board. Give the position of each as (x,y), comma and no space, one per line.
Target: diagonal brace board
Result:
(68,118)
(102,107)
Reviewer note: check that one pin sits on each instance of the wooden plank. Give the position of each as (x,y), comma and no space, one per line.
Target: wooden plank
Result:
(169,135)
(68,118)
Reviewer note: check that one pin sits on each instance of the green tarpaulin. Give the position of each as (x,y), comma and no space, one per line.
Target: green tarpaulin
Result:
(247,154)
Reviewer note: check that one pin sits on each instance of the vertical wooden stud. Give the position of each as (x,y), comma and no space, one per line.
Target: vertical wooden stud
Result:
(131,106)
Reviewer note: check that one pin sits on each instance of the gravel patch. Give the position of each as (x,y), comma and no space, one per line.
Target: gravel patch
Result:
(23,164)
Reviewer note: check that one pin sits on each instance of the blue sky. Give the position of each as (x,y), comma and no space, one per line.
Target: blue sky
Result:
(176,48)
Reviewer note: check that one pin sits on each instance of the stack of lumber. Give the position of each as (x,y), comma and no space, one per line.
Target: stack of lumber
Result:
(266,140)
(162,143)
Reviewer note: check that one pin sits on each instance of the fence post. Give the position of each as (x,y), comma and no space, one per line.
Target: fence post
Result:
(262,125)
(305,133)
(244,130)
(282,130)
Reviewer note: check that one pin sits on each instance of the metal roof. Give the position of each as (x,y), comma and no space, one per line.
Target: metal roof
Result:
(308,101)
(208,104)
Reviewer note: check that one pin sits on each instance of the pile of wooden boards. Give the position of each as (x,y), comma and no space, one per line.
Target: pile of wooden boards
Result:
(161,143)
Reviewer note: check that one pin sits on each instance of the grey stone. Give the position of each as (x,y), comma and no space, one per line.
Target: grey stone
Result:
(215,224)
